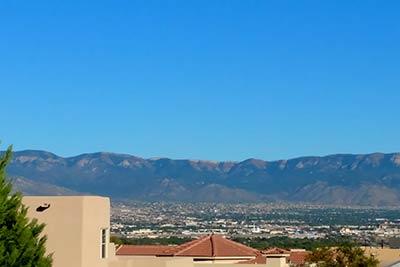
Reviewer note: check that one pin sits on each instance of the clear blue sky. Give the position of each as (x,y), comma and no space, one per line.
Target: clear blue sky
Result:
(218,80)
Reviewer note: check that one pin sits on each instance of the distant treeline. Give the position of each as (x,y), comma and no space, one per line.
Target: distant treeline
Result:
(292,243)
(150,241)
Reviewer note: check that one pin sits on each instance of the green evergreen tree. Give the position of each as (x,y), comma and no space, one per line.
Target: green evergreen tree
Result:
(21,242)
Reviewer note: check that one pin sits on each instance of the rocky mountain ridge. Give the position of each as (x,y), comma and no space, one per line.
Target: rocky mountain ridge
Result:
(371,179)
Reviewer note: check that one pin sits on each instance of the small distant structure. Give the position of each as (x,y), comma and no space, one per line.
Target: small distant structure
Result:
(276,257)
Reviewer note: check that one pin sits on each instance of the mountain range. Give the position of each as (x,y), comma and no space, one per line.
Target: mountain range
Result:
(342,179)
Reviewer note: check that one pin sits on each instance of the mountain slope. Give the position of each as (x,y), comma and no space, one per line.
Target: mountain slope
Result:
(372,179)
(32,188)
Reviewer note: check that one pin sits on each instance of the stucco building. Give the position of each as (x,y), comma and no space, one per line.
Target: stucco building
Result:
(77,228)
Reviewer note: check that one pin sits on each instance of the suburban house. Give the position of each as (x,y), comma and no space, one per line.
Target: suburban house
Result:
(77,228)
(211,249)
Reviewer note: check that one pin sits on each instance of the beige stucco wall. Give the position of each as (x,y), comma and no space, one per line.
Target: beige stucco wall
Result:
(151,262)
(96,216)
(385,256)
(73,228)
(276,262)
(229,265)
(220,260)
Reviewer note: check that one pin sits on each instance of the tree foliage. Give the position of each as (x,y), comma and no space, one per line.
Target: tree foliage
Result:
(173,240)
(21,242)
(343,256)
(291,243)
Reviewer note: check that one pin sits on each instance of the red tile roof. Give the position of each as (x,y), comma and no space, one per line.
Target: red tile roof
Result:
(275,251)
(298,257)
(208,246)
(211,246)
(136,250)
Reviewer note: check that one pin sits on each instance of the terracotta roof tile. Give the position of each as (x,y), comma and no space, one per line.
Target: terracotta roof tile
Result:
(298,257)
(211,246)
(141,250)
(275,251)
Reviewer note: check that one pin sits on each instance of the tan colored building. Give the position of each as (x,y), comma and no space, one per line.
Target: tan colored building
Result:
(276,257)
(216,250)
(77,228)
(211,249)
(387,256)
